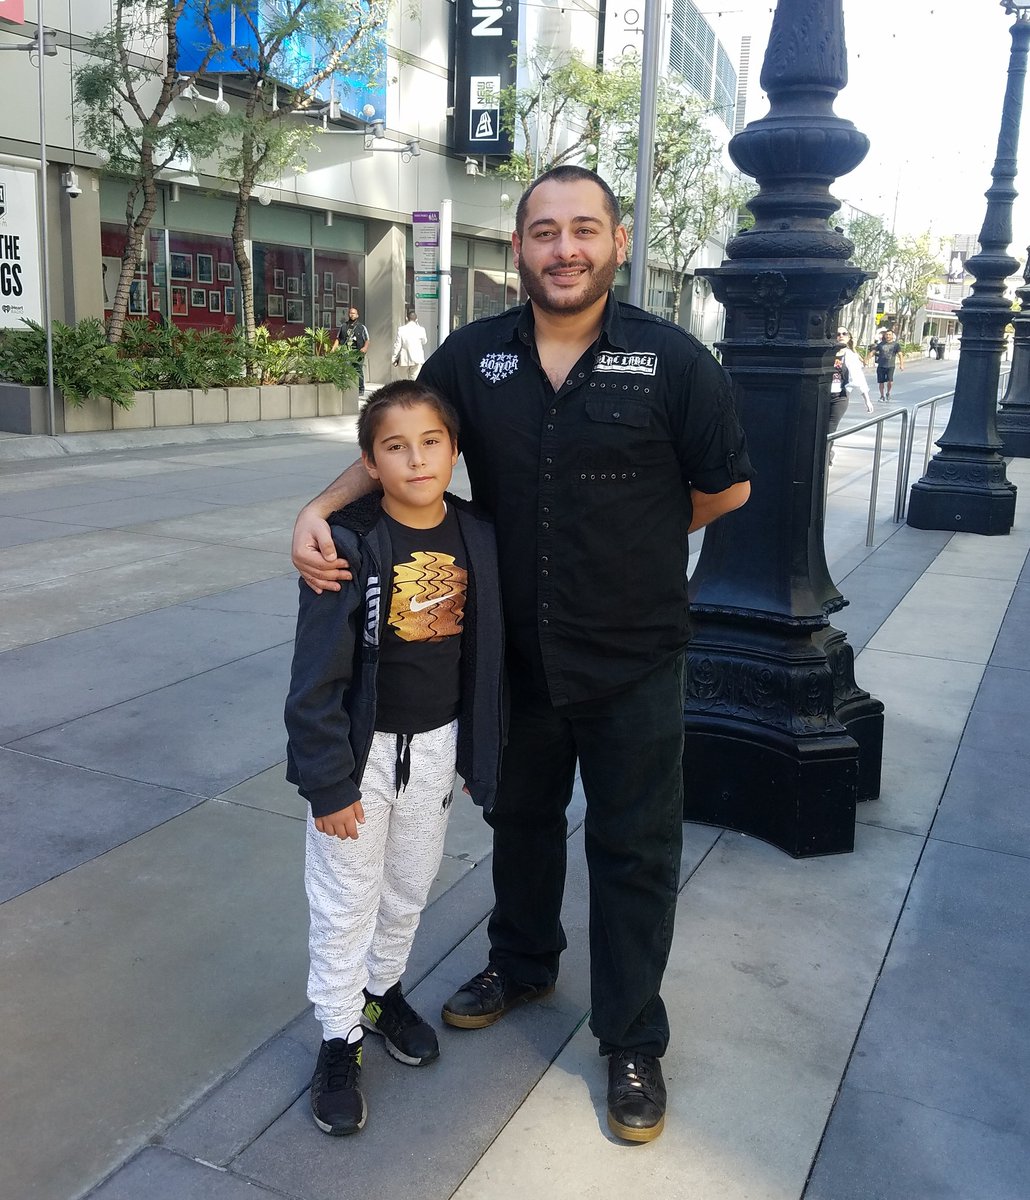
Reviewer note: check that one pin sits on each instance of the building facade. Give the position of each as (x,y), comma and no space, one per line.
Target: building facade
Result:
(339,233)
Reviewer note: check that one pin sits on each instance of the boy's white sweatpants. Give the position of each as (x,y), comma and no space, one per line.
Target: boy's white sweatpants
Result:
(366,896)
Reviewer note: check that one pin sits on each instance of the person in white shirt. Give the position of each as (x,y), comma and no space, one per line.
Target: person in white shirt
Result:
(857,383)
(409,347)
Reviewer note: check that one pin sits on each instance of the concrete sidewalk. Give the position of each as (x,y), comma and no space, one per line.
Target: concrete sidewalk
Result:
(850,1028)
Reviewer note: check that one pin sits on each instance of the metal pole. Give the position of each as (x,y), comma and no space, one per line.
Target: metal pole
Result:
(41,50)
(645,151)
(444,301)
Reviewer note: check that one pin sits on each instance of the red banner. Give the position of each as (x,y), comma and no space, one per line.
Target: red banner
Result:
(13,10)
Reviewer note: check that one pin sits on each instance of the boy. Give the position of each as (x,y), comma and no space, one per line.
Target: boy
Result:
(391,676)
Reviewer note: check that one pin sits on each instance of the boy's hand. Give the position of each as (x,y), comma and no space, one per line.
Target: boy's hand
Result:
(343,824)
(314,553)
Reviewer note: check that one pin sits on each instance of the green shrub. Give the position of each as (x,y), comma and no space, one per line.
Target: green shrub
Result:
(86,366)
(163,356)
(307,358)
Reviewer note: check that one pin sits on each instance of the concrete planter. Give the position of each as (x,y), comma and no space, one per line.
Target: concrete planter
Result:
(23,409)
(244,403)
(140,416)
(91,416)
(173,406)
(210,407)
(304,400)
(330,400)
(275,402)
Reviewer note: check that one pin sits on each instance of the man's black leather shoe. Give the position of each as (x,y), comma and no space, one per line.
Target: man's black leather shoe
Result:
(636,1096)
(487,997)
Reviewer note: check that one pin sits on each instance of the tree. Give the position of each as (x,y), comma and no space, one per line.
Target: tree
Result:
(125,96)
(913,267)
(875,249)
(693,192)
(265,138)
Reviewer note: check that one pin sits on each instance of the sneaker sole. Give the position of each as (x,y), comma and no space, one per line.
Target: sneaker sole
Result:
(335,1131)
(482,1020)
(394,1052)
(633,1133)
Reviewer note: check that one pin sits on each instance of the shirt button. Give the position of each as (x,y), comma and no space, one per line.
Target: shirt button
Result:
(545,605)
(544,621)
(547,477)
(544,571)
(545,524)
(550,428)
(546,510)
(544,558)
(616,415)
(593,476)
(551,411)
(604,476)
(548,461)
(582,477)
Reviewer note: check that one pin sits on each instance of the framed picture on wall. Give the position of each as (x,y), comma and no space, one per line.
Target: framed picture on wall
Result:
(293,285)
(327,318)
(303,283)
(198,298)
(274,305)
(182,266)
(342,293)
(294,312)
(341,317)
(214,301)
(230,300)
(137,298)
(327,281)
(159,274)
(278,279)
(155,300)
(205,268)
(224,272)
(327,300)
(180,305)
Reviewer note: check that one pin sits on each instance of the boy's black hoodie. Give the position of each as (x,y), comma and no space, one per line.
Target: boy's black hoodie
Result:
(331,708)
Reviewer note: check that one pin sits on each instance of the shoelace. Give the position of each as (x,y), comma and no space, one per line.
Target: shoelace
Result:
(342,1064)
(637,1075)
(486,981)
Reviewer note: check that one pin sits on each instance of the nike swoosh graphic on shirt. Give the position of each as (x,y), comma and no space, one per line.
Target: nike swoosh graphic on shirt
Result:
(419,605)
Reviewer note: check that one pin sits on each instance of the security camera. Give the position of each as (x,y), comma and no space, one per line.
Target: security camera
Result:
(70,182)
(471,167)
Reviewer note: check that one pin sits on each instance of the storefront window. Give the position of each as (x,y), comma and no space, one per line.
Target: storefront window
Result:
(282,288)
(201,281)
(340,277)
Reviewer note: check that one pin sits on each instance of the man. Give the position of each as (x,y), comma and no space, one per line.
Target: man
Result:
(409,346)
(597,436)
(354,335)
(886,352)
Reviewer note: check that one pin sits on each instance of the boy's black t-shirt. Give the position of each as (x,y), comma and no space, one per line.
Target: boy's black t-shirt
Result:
(419,676)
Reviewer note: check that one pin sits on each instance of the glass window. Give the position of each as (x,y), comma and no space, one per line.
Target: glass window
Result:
(339,280)
(283,288)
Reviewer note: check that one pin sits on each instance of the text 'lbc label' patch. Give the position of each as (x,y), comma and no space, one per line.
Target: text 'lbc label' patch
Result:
(627,364)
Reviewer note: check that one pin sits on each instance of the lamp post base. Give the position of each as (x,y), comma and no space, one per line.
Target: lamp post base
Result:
(977,498)
(798,794)
(1014,431)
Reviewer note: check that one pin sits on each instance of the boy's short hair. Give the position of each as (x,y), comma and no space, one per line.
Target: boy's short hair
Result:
(402,393)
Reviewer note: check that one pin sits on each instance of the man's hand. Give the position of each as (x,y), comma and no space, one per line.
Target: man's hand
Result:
(314,553)
(343,824)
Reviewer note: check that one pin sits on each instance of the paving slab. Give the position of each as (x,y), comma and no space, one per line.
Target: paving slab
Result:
(998,722)
(204,734)
(979,557)
(58,680)
(42,500)
(276,596)
(934,619)
(50,608)
(132,984)
(986,802)
(119,514)
(54,817)
(771,970)
(944,1049)
(69,555)
(228,525)
(18,531)
(927,702)
(161,1175)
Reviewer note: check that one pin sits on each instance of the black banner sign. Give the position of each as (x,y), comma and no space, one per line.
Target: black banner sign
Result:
(484,47)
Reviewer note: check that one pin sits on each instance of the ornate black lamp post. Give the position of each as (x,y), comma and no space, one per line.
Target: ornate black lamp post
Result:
(1014,417)
(965,486)
(780,742)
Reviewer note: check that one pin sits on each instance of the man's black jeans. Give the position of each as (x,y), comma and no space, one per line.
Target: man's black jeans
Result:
(629,747)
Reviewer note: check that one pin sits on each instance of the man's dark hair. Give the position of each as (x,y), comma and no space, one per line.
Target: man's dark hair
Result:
(402,393)
(567,174)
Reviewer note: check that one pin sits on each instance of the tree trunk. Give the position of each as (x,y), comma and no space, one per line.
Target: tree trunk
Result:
(136,226)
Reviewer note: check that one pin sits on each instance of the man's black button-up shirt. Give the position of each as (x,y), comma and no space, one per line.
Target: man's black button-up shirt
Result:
(589,486)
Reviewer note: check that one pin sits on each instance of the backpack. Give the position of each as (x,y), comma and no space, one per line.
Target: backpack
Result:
(841,376)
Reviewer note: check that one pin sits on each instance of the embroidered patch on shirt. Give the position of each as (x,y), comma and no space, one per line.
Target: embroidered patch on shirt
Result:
(627,364)
(496,367)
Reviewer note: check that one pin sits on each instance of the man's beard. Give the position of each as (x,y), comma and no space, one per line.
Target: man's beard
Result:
(598,281)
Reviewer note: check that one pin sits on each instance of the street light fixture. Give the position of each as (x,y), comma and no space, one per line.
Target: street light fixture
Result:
(965,486)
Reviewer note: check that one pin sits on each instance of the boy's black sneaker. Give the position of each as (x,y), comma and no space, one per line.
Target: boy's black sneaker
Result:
(336,1100)
(408,1038)
(487,997)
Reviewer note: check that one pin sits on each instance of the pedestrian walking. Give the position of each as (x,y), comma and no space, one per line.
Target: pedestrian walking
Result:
(597,436)
(887,354)
(409,346)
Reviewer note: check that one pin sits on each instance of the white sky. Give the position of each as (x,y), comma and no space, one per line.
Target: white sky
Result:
(926,85)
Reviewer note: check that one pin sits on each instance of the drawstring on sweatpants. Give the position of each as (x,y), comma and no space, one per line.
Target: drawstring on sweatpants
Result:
(402,767)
